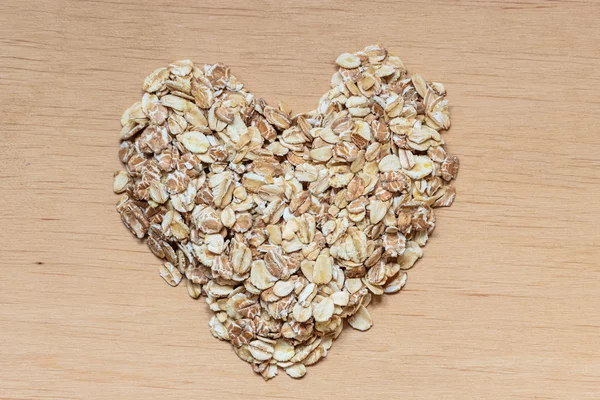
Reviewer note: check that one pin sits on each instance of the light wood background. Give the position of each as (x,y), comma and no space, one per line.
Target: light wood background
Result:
(505,303)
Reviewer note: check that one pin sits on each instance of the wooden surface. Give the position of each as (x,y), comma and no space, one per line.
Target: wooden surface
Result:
(505,303)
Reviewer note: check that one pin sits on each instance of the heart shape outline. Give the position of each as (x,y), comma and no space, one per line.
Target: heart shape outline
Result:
(288,224)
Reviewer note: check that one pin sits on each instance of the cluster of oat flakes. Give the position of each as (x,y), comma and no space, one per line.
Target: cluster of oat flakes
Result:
(287,224)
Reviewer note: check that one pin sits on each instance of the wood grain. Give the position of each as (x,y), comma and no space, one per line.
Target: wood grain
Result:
(504,303)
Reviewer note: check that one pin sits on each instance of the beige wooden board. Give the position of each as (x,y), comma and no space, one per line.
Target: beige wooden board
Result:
(505,303)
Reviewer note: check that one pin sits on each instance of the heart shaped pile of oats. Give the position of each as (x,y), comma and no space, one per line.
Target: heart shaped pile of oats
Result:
(288,224)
